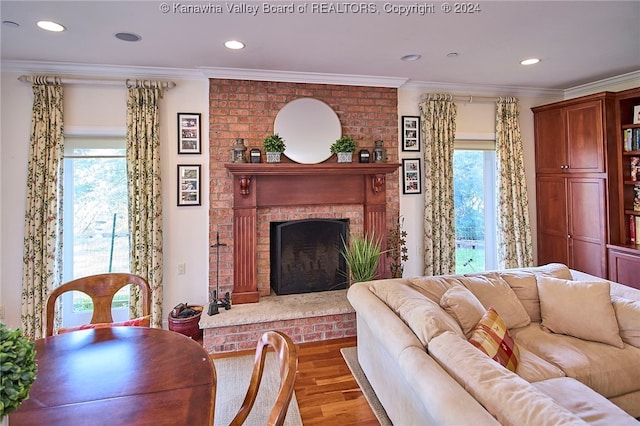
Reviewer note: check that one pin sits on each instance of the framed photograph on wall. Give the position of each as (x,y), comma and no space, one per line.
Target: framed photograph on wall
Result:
(411,176)
(189,133)
(189,185)
(411,133)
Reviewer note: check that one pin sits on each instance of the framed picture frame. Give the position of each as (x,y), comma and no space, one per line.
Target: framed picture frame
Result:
(189,185)
(636,114)
(189,133)
(411,182)
(411,133)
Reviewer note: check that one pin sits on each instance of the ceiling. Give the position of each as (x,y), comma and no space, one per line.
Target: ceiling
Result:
(578,42)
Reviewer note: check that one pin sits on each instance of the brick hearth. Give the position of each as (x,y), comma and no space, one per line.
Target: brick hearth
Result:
(307,317)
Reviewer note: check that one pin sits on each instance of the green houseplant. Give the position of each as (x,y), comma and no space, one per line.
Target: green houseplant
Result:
(274,146)
(344,148)
(17,369)
(361,255)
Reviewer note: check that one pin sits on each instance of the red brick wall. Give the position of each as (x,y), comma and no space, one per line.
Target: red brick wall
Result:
(247,110)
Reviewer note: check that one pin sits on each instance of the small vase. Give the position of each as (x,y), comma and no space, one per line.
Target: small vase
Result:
(273,157)
(345,157)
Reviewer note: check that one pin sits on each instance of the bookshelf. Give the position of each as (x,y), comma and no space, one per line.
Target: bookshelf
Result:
(624,250)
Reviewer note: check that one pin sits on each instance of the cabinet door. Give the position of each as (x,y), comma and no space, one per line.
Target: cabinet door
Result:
(551,201)
(624,268)
(587,225)
(584,138)
(551,152)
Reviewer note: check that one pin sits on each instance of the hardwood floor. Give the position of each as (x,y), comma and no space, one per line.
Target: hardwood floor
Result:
(326,391)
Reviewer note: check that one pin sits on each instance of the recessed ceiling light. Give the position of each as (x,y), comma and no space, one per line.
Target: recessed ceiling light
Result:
(10,24)
(530,61)
(128,37)
(411,58)
(51,26)
(234,44)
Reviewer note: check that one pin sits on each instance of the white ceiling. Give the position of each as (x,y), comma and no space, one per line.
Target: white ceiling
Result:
(578,42)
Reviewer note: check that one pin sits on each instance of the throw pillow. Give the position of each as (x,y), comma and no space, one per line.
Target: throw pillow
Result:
(492,337)
(492,290)
(581,309)
(136,322)
(628,316)
(524,286)
(462,305)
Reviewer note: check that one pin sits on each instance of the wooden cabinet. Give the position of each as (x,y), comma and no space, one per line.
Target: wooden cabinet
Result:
(572,185)
(570,139)
(570,230)
(624,266)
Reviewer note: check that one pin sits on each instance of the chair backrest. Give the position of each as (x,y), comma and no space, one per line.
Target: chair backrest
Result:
(101,288)
(287,355)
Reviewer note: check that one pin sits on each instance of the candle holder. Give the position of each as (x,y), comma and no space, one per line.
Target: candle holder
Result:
(238,151)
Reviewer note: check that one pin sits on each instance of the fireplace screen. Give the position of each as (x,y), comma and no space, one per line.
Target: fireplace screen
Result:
(305,255)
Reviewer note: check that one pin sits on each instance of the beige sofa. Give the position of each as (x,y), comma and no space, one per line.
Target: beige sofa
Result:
(577,348)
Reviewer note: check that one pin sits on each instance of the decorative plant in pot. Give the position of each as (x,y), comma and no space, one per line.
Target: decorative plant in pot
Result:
(361,255)
(344,148)
(17,369)
(274,146)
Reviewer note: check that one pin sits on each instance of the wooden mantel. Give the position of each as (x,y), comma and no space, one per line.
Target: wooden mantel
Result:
(258,185)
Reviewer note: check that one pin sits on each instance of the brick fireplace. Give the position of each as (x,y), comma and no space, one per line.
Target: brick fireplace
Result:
(247,110)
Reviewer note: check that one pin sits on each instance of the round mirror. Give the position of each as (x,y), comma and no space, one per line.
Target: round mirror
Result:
(308,127)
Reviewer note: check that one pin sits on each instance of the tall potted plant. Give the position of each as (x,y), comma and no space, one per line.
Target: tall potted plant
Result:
(344,148)
(361,255)
(274,146)
(17,369)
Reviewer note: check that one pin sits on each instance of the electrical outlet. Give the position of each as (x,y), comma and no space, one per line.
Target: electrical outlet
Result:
(182,268)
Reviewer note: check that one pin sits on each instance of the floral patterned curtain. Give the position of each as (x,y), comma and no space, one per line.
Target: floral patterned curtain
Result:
(438,115)
(42,255)
(514,231)
(145,196)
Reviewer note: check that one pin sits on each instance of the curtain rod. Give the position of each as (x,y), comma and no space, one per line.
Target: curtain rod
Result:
(98,81)
(467,98)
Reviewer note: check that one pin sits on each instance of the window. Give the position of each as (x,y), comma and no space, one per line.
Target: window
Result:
(95,223)
(475,201)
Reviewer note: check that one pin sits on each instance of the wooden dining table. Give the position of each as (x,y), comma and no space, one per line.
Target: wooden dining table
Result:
(120,376)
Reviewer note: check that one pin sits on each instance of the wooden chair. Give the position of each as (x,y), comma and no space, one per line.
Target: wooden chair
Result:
(288,362)
(101,288)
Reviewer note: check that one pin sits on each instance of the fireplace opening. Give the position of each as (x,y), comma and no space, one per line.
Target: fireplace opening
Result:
(305,255)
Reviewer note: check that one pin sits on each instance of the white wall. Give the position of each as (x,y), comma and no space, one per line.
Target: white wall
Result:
(185,228)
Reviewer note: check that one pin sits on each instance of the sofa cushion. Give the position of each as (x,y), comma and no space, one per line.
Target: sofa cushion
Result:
(584,402)
(492,337)
(628,316)
(532,368)
(423,316)
(608,370)
(581,309)
(524,286)
(462,305)
(434,286)
(494,291)
(511,399)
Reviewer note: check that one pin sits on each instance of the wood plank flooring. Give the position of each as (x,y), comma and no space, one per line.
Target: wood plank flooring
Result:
(326,391)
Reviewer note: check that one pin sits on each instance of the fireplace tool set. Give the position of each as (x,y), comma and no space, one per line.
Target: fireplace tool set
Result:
(224,302)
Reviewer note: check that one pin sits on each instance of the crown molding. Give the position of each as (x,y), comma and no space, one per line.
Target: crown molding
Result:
(466,89)
(301,77)
(105,71)
(632,79)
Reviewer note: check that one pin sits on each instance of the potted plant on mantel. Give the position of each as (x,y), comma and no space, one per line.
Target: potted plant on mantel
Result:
(274,146)
(344,148)
(18,370)
(361,255)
